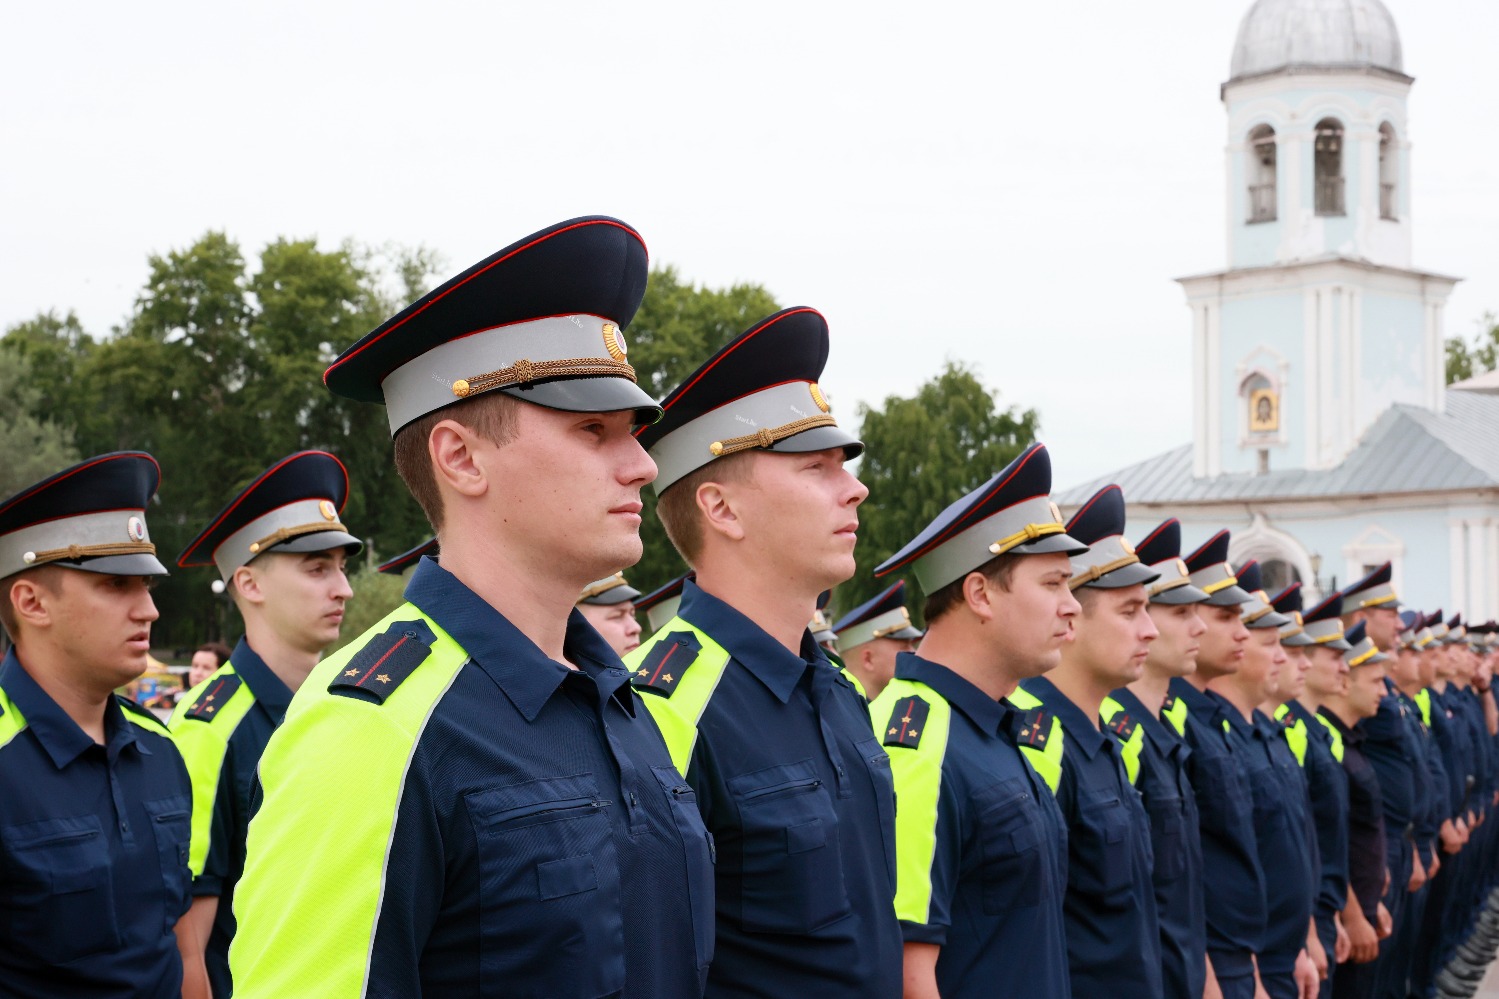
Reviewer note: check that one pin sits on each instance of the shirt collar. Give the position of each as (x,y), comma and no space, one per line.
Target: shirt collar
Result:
(1137,711)
(748,643)
(521,670)
(1230,712)
(1315,729)
(59,734)
(267,687)
(1079,727)
(987,714)
(1350,735)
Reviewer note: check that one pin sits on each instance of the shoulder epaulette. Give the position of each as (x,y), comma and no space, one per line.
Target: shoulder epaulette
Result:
(381,666)
(907,722)
(666,663)
(1034,727)
(143,716)
(220,689)
(1123,726)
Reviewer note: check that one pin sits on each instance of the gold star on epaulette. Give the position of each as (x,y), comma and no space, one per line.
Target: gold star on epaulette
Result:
(667,678)
(210,708)
(894,730)
(914,733)
(208,698)
(383,678)
(351,672)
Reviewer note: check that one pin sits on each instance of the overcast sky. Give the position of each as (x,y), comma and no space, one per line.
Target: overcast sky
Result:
(1013,185)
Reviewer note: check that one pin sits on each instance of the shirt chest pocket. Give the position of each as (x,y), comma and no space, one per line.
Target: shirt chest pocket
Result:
(1225,805)
(1101,844)
(549,891)
(171,825)
(1016,871)
(791,876)
(56,893)
(1168,831)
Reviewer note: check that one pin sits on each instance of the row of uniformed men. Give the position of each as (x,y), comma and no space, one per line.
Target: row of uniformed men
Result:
(475,798)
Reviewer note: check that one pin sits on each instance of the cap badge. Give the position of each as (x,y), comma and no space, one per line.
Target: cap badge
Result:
(614,342)
(1056,512)
(819,398)
(325,507)
(1181,567)
(1128,548)
(136,529)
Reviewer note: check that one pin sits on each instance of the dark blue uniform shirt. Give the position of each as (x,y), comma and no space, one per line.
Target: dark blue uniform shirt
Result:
(1169,800)
(93,849)
(1451,734)
(1366,837)
(1236,905)
(1394,752)
(999,863)
(1113,932)
(1288,844)
(797,793)
(231,804)
(1327,783)
(543,843)
(1433,779)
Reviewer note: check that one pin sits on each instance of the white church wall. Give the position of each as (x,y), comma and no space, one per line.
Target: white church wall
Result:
(1261,333)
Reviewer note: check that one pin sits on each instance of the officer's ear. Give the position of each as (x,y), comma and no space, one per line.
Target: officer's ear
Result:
(245,585)
(453,449)
(715,504)
(978,596)
(29,598)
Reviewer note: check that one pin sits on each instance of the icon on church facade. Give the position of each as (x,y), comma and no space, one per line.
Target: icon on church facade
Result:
(1264,411)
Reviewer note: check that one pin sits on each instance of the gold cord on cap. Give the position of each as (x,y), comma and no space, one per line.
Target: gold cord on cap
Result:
(603,586)
(523,372)
(767,436)
(73,553)
(1030,532)
(287,533)
(1094,572)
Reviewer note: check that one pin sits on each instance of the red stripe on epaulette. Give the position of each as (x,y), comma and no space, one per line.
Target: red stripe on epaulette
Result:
(907,722)
(667,662)
(220,689)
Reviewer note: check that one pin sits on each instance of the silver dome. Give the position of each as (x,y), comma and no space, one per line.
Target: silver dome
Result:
(1316,34)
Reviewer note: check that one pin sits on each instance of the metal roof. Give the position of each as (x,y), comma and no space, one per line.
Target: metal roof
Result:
(1316,35)
(1407,450)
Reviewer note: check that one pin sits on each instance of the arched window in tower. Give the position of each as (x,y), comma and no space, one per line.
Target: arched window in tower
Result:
(1260,170)
(1328,166)
(1389,171)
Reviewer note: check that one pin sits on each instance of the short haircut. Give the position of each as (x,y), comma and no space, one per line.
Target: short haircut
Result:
(219,649)
(677,505)
(493,416)
(44,576)
(998,571)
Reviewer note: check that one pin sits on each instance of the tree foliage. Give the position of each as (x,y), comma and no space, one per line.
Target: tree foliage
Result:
(1467,358)
(921,453)
(34,447)
(217,372)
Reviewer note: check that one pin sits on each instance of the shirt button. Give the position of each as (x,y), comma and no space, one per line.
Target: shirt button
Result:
(634,800)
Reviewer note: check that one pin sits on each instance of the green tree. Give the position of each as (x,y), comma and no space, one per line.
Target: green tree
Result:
(376,594)
(54,350)
(678,327)
(34,448)
(1466,359)
(921,454)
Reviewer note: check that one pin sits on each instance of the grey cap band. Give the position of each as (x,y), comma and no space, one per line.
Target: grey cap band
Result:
(1365,653)
(1382,595)
(1174,585)
(895,624)
(769,412)
(309,525)
(1293,633)
(1328,631)
(114,542)
(1031,527)
(1109,563)
(1220,584)
(1257,613)
(440,376)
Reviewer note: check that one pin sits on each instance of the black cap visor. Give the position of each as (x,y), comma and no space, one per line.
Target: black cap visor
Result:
(1179,595)
(602,394)
(135,564)
(1133,574)
(1229,596)
(1049,544)
(820,439)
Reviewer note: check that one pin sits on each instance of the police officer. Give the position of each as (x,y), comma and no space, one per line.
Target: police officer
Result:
(1236,905)
(1320,672)
(1366,918)
(1280,806)
(871,635)
(1394,746)
(280,550)
(96,803)
(1113,931)
(773,740)
(469,799)
(1161,772)
(982,844)
(609,605)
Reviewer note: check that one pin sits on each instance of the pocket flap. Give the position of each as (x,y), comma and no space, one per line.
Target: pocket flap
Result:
(568,876)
